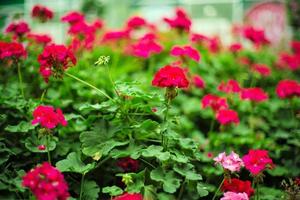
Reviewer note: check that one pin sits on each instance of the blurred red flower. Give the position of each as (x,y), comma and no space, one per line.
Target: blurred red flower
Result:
(181,21)
(236,185)
(254,94)
(127,196)
(215,102)
(42,13)
(11,50)
(288,89)
(18,29)
(185,51)
(227,116)
(232,86)
(128,164)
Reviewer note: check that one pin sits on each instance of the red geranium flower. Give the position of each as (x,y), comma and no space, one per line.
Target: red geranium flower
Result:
(42,13)
(289,61)
(187,51)
(254,94)
(128,164)
(18,29)
(55,59)
(198,38)
(288,89)
(227,116)
(232,86)
(257,160)
(127,196)
(215,102)
(239,186)
(255,35)
(73,17)
(181,21)
(170,76)
(198,82)
(136,22)
(113,36)
(39,38)
(262,69)
(11,50)
(295,46)
(46,182)
(236,47)
(48,117)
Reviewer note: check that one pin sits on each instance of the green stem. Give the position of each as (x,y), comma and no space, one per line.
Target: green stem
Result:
(219,188)
(20,79)
(88,84)
(81,186)
(257,192)
(165,121)
(212,123)
(43,95)
(111,80)
(181,190)
(102,161)
(145,161)
(48,150)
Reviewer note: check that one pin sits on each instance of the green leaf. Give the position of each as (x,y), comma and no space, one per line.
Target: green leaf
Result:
(73,163)
(202,190)
(152,151)
(112,190)
(169,179)
(90,190)
(95,143)
(22,127)
(33,142)
(187,170)
(187,143)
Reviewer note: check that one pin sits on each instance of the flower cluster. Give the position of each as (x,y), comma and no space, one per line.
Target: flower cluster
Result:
(18,29)
(215,102)
(46,183)
(73,17)
(288,89)
(11,50)
(227,116)
(234,196)
(213,44)
(128,164)
(261,69)
(232,162)
(55,59)
(48,117)
(42,13)
(186,51)
(257,161)
(146,46)
(136,22)
(181,21)
(232,86)
(255,35)
(127,196)
(170,76)
(239,186)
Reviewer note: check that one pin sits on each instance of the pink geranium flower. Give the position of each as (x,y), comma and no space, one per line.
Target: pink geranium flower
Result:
(232,162)
(146,46)
(136,22)
(235,196)
(46,183)
(73,17)
(227,116)
(257,161)
(254,94)
(215,102)
(186,51)
(48,117)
